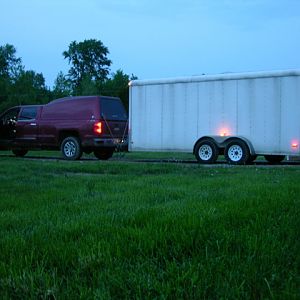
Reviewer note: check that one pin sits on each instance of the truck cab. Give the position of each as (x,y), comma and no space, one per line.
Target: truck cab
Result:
(18,128)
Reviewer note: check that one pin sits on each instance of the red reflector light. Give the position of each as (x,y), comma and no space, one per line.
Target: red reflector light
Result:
(98,127)
(294,145)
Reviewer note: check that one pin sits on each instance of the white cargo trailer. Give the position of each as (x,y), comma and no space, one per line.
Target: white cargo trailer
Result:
(238,115)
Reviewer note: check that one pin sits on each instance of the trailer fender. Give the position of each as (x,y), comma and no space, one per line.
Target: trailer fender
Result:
(222,141)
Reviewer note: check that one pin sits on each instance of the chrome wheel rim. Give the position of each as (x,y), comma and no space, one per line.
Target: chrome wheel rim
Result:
(205,152)
(235,153)
(69,149)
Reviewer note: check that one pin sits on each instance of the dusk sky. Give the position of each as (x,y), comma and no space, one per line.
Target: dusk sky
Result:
(157,38)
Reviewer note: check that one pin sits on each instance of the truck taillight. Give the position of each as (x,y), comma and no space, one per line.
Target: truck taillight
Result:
(98,127)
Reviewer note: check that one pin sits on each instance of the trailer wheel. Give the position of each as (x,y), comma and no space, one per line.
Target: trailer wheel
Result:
(70,148)
(237,152)
(274,159)
(206,151)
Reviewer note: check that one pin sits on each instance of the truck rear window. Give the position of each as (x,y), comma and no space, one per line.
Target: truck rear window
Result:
(112,109)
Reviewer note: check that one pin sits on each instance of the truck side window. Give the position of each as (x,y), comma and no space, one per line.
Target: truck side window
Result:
(28,113)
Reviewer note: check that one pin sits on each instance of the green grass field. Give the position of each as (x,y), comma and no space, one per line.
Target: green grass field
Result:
(129,230)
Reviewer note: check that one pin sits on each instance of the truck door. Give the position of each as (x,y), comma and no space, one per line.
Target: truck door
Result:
(26,127)
(8,127)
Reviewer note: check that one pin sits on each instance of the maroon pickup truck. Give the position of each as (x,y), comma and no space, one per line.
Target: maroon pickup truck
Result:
(74,125)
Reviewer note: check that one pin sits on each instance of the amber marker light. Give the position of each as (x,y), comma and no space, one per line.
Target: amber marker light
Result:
(223,132)
(295,145)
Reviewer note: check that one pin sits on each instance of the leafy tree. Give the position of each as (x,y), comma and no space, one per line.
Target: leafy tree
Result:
(29,88)
(88,87)
(62,86)
(10,65)
(87,59)
(10,69)
(18,86)
(90,69)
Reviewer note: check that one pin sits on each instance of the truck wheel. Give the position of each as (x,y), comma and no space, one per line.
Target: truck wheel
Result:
(70,148)
(19,152)
(206,152)
(237,152)
(103,154)
(274,159)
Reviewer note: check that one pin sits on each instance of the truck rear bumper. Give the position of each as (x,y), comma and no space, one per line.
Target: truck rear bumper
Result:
(110,142)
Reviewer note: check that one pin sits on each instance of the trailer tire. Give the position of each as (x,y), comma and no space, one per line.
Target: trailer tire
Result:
(274,159)
(206,151)
(71,148)
(237,152)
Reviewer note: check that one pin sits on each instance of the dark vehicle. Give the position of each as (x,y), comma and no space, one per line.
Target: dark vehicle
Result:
(74,125)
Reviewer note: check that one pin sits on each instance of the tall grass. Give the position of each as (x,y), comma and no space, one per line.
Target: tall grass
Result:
(122,230)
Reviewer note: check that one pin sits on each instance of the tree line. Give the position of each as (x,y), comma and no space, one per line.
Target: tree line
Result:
(89,74)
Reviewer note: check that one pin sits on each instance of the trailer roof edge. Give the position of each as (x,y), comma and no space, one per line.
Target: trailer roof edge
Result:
(224,76)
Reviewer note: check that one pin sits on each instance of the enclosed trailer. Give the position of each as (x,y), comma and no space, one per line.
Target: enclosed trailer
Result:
(238,115)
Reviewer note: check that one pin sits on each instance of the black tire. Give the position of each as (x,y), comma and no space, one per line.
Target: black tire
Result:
(206,151)
(274,159)
(71,148)
(19,152)
(237,152)
(104,154)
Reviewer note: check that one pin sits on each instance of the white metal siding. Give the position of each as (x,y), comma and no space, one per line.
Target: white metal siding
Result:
(174,114)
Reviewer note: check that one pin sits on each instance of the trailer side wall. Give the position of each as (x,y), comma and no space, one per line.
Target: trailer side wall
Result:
(172,116)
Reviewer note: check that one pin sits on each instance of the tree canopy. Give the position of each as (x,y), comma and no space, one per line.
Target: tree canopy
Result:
(87,59)
(18,86)
(10,65)
(62,86)
(89,74)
